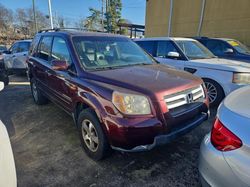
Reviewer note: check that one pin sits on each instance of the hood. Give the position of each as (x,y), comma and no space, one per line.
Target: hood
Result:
(221,64)
(158,80)
(238,102)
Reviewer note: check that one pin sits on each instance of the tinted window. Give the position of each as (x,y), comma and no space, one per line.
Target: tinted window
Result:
(44,48)
(164,47)
(60,50)
(34,44)
(217,47)
(239,46)
(23,47)
(147,46)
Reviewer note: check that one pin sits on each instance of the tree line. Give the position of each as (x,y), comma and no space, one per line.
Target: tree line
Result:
(19,24)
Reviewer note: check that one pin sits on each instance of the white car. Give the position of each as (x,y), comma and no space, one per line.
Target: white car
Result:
(221,76)
(7,164)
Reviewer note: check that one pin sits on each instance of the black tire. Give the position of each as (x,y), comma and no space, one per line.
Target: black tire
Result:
(37,95)
(102,149)
(5,78)
(215,92)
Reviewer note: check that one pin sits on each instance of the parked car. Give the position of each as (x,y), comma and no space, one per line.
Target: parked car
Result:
(15,57)
(224,153)
(118,96)
(7,163)
(220,76)
(226,48)
(3,73)
(3,48)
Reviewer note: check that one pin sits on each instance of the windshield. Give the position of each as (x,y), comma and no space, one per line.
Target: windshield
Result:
(239,46)
(100,52)
(194,49)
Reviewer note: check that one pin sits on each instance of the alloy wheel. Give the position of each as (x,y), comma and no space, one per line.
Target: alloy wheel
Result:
(89,135)
(211,91)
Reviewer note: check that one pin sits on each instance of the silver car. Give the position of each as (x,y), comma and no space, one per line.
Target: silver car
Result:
(15,57)
(225,152)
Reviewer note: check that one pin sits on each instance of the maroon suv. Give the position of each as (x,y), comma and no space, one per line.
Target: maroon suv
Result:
(118,96)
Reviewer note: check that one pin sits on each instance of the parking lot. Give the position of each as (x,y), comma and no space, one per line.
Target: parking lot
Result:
(47,150)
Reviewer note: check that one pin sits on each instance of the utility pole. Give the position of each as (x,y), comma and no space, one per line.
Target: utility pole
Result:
(170,17)
(50,14)
(34,14)
(102,21)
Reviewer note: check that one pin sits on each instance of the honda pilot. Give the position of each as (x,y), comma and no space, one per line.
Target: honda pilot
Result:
(118,96)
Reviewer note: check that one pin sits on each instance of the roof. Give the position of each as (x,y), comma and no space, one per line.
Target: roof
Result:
(74,32)
(165,39)
(28,40)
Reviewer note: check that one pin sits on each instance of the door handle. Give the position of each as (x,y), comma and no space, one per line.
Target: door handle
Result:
(190,70)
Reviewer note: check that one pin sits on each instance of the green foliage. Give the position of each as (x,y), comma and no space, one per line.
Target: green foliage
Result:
(113,15)
(93,22)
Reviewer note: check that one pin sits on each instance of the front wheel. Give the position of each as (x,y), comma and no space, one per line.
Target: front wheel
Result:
(91,134)
(215,92)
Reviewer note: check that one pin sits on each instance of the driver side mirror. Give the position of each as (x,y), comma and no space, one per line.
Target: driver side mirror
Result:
(174,55)
(229,51)
(59,65)
(1,86)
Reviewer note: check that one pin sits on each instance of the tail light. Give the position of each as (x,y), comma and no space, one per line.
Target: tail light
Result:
(223,139)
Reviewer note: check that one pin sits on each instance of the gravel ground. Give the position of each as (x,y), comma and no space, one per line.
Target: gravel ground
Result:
(47,150)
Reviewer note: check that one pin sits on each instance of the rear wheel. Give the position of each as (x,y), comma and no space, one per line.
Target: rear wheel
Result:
(38,97)
(215,92)
(91,134)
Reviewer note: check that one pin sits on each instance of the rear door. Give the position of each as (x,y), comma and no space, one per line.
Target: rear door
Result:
(163,48)
(60,81)
(19,58)
(8,58)
(41,63)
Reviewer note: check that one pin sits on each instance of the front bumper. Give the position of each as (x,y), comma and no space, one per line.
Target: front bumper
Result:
(213,168)
(166,138)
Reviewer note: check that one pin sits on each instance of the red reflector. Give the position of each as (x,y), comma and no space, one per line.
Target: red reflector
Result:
(223,139)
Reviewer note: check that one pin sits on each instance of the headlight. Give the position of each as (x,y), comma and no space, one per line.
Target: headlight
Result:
(131,104)
(241,78)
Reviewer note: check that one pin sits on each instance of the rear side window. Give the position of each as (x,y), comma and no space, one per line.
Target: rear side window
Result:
(44,48)
(34,44)
(60,50)
(164,47)
(147,46)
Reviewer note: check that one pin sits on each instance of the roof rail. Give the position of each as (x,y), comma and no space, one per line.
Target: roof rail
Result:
(65,29)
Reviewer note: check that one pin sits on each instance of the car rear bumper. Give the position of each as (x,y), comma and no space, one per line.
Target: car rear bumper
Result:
(166,138)
(213,168)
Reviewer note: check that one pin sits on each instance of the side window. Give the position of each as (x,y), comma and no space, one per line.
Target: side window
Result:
(33,46)
(147,46)
(217,47)
(14,48)
(44,48)
(60,50)
(164,47)
(23,47)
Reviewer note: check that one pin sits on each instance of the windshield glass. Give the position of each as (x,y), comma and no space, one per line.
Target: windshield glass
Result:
(239,46)
(100,52)
(194,50)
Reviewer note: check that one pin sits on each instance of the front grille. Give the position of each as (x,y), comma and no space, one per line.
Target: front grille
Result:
(185,97)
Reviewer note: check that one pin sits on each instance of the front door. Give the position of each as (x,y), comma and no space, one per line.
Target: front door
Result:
(163,50)
(60,82)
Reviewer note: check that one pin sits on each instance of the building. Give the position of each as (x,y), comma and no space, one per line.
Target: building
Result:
(212,18)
